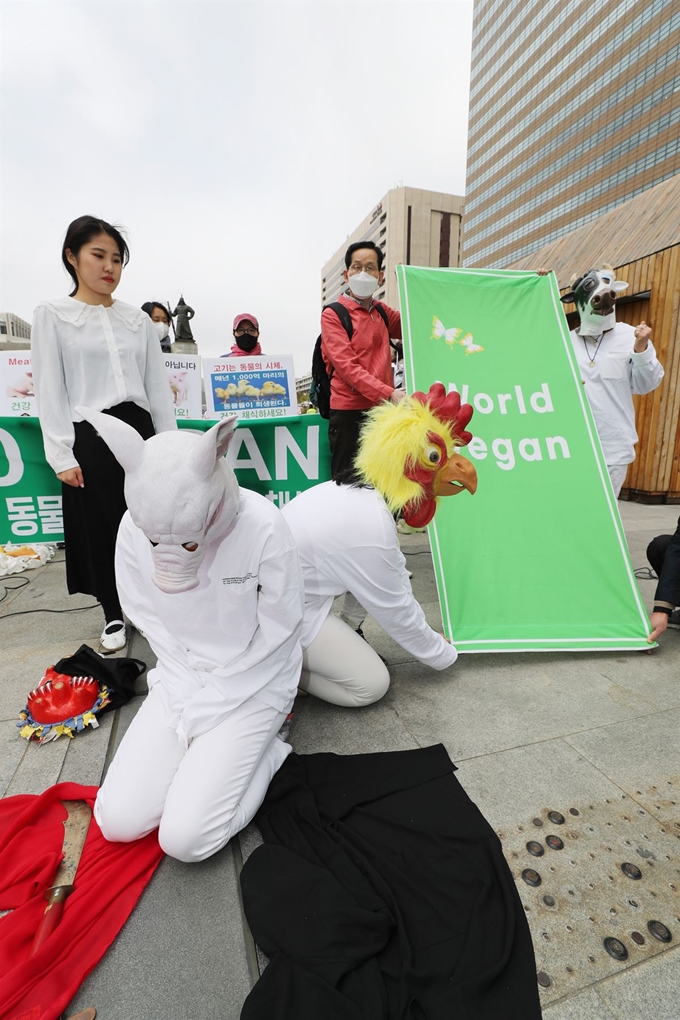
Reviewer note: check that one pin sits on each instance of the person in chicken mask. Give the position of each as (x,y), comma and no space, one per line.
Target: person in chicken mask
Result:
(360,368)
(348,546)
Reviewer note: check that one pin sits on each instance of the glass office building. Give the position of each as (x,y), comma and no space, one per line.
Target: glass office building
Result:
(574,108)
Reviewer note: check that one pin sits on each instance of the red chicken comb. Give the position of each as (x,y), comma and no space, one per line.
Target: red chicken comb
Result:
(448,408)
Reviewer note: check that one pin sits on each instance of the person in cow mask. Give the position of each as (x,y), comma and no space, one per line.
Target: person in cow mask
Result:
(616,360)
(210,573)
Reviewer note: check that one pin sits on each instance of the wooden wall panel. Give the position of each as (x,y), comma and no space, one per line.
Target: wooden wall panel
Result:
(655,474)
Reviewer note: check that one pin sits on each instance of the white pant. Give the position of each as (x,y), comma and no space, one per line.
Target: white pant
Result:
(340,667)
(199,796)
(617,473)
(352,612)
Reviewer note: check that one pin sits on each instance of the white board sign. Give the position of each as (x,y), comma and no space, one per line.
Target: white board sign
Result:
(17,396)
(262,387)
(184,376)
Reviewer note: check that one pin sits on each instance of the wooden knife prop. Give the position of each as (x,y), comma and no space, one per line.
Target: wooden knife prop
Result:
(75,833)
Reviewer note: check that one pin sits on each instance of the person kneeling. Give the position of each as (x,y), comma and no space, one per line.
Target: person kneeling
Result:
(348,544)
(210,574)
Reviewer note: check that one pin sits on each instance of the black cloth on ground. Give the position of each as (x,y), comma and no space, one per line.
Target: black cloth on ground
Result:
(382,893)
(119,674)
(92,514)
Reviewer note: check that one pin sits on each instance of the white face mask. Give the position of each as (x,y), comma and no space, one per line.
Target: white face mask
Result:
(162,329)
(362,285)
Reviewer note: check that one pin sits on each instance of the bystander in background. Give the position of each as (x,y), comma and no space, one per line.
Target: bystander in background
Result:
(663,552)
(160,316)
(361,366)
(246,330)
(91,350)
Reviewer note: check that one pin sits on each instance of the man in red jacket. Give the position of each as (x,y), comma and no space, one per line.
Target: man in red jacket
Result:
(361,367)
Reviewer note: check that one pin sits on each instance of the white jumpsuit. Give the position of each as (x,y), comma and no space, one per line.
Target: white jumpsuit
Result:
(347,541)
(616,373)
(201,752)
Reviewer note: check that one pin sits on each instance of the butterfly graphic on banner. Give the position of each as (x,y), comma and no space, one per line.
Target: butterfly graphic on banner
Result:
(453,336)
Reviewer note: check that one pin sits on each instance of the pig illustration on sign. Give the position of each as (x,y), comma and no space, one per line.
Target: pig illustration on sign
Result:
(22,386)
(178,385)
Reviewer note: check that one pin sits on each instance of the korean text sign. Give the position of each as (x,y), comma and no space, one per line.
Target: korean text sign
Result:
(17,396)
(262,387)
(277,458)
(184,376)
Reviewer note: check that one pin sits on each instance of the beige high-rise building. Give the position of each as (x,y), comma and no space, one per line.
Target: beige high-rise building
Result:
(410,225)
(15,332)
(574,109)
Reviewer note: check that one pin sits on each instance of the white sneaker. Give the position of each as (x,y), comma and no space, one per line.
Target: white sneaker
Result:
(405,529)
(113,636)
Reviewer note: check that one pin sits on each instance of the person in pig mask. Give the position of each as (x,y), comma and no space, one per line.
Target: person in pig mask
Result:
(209,572)
(616,360)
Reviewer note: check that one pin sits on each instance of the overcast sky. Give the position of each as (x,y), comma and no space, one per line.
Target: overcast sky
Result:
(238,143)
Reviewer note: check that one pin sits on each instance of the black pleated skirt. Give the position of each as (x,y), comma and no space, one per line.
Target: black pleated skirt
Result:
(92,514)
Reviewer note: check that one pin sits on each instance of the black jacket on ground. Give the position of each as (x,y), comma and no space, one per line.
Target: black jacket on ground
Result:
(118,674)
(381,893)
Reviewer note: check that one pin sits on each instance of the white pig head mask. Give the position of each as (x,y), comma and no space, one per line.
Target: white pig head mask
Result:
(179,489)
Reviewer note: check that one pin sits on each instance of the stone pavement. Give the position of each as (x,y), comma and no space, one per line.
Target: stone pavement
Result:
(595,738)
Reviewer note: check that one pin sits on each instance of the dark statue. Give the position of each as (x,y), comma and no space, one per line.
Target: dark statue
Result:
(184,313)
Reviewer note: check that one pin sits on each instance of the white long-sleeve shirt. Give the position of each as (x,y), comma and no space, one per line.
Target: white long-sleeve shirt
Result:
(347,540)
(618,373)
(93,356)
(234,637)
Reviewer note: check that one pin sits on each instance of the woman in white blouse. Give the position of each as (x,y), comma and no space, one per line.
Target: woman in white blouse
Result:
(91,350)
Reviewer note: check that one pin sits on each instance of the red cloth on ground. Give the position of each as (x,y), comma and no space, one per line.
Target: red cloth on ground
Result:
(109,881)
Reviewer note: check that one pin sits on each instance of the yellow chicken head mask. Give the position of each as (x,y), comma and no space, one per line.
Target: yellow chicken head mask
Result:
(408,452)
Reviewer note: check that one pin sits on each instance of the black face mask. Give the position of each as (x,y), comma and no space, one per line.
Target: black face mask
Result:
(247,343)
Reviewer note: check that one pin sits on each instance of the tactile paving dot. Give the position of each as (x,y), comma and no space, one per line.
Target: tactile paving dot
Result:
(608,898)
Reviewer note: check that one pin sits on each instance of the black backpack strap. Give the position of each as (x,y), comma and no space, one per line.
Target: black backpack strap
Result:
(345,321)
(383,315)
(344,316)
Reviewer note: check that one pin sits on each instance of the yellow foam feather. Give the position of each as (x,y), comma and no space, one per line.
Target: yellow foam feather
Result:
(392,435)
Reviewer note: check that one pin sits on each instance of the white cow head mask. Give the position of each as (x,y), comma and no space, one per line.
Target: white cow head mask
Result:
(179,489)
(594,293)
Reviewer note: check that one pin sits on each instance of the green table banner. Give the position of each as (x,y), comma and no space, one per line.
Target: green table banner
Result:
(278,458)
(537,559)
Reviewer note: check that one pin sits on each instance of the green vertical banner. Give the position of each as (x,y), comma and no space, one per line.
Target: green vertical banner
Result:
(537,559)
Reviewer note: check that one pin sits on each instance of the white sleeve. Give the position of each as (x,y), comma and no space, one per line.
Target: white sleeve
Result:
(156,383)
(377,577)
(646,370)
(50,390)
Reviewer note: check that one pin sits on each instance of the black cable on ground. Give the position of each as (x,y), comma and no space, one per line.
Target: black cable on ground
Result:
(14,587)
(25,612)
